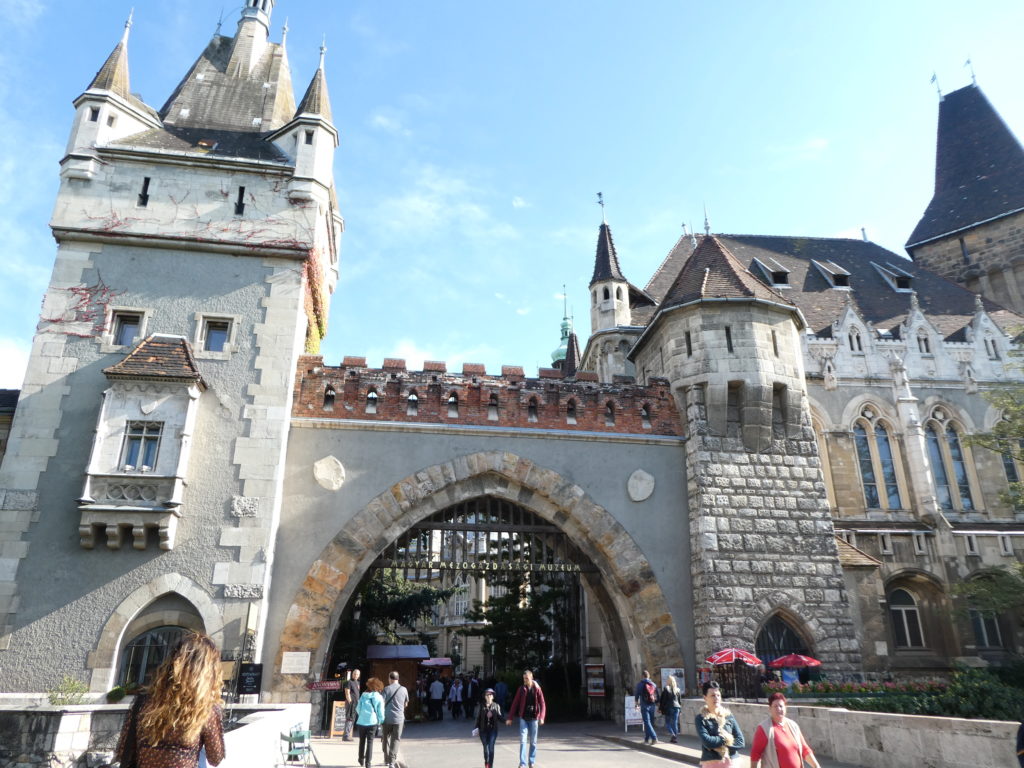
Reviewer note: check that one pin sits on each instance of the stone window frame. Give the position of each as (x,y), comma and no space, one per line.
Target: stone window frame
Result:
(871,419)
(941,422)
(856,341)
(905,611)
(1005,545)
(924,343)
(920,543)
(106,339)
(199,335)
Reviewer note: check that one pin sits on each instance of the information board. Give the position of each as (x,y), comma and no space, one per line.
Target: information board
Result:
(337,718)
(250,678)
(631,716)
(595,679)
(295,662)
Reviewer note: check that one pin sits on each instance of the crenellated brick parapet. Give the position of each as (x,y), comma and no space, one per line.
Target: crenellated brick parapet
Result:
(473,398)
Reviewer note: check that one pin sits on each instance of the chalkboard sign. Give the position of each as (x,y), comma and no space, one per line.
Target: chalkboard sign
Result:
(338,718)
(250,678)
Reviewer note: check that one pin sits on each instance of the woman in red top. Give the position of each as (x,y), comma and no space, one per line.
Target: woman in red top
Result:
(180,715)
(778,742)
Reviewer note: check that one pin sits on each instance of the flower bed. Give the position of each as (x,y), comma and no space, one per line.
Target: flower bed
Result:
(833,689)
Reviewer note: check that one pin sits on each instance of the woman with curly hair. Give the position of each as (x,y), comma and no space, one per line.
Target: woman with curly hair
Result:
(180,714)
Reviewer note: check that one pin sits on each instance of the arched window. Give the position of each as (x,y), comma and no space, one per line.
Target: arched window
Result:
(986,629)
(371,401)
(609,414)
(924,345)
(778,638)
(492,407)
(645,416)
(453,405)
(329,395)
(618,294)
(991,349)
(855,342)
(876,463)
(906,623)
(531,409)
(412,404)
(570,412)
(141,657)
(605,294)
(949,464)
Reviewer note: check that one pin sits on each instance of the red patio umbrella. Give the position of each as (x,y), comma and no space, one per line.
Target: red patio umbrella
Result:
(730,655)
(794,660)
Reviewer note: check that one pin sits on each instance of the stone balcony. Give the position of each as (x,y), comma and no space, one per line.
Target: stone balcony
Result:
(130,502)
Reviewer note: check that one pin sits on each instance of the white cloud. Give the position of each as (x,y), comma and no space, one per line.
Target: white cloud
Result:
(523,311)
(389,124)
(518,202)
(14,353)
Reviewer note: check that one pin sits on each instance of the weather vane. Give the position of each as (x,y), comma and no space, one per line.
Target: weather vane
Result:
(600,201)
(970,66)
(935,79)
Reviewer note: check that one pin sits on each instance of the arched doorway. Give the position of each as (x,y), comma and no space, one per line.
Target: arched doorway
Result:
(619,580)
(779,637)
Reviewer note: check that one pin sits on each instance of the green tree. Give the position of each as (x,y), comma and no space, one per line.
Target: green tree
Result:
(1006,438)
(995,591)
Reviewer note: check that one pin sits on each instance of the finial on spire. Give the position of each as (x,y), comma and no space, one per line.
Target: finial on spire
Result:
(565,303)
(935,79)
(707,224)
(220,21)
(128,26)
(970,66)
(600,201)
(693,236)
(979,305)
(284,32)
(323,51)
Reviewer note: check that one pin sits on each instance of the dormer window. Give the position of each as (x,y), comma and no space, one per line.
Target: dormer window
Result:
(836,276)
(898,278)
(775,273)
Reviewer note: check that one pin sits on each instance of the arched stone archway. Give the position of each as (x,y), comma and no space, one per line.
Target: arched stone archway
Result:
(626,592)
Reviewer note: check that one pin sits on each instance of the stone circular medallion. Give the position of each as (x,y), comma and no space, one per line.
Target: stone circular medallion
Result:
(330,473)
(640,485)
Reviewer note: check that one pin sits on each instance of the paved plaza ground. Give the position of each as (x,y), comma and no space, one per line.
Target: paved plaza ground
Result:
(585,744)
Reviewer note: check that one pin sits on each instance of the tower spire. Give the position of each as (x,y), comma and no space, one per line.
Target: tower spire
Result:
(127,27)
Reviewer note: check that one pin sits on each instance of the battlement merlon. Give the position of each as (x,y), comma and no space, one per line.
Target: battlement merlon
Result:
(434,395)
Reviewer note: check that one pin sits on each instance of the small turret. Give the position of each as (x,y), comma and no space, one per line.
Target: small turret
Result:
(609,289)
(252,37)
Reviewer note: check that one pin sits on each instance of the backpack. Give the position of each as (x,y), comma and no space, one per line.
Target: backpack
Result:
(650,692)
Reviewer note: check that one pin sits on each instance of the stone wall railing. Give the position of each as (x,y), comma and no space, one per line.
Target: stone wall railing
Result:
(882,740)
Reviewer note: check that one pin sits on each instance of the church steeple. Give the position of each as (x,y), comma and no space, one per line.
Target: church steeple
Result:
(609,289)
(113,75)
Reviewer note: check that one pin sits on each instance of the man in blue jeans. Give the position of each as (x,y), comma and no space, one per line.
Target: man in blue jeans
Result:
(528,705)
(646,696)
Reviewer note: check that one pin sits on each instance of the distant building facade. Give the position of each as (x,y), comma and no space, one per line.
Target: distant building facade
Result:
(763,447)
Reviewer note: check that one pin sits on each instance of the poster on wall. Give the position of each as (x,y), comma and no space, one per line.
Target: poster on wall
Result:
(631,715)
(295,663)
(678,673)
(595,679)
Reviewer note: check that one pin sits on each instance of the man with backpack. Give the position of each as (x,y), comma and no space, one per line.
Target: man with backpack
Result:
(646,696)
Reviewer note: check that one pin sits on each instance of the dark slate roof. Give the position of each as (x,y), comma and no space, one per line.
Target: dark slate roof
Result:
(712,272)
(572,357)
(113,75)
(606,262)
(947,305)
(316,101)
(217,98)
(158,357)
(201,141)
(662,280)
(8,400)
(979,167)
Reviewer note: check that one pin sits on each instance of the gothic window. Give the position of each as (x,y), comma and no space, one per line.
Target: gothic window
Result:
(141,657)
(371,401)
(1009,456)
(570,412)
(645,416)
(531,410)
(453,405)
(618,294)
(986,629)
(991,349)
(856,346)
(924,345)
(609,414)
(329,395)
(949,464)
(460,600)
(141,445)
(127,327)
(605,294)
(876,462)
(492,407)
(689,345)
(778,638)
(728,338)
(412,404)
(906,622)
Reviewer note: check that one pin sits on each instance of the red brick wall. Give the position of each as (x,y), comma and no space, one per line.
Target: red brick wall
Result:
(352,382)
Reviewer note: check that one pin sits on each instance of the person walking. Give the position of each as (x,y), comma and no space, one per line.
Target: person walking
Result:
(670,703)
(778,741)
(646,698)
(181,714)
(396,699)
(436,699)
(369,714)
(528,705)
(455,698)
(487,721)
(720,734)
(351,699)
(471,696)
(501,693)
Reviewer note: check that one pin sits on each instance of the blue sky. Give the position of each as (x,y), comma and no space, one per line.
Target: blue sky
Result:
(475,136)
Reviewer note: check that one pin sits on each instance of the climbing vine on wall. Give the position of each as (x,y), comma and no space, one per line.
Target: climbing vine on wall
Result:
(315,301)
(88,306)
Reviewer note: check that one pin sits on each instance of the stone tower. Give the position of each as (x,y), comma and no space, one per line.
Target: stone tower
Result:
(973,229)
(761,536)
(197,248)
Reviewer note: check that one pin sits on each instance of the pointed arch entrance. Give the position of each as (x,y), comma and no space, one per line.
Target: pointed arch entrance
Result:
(633,607)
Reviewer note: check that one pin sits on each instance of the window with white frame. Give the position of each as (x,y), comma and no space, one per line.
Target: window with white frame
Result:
(949,463)
(141,445)
(906,621)
(876,462)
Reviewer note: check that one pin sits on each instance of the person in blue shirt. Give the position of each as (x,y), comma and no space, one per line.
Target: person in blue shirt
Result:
(646,696)
(369,714)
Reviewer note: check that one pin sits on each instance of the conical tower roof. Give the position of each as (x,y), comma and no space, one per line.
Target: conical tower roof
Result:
(572,357)
(316,100)
(606,262)
(113,75)
(979,167)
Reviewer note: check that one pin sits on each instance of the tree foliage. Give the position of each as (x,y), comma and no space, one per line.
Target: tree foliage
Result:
(1006,438)
(995,591)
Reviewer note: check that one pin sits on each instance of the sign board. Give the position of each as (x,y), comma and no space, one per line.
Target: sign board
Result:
(295,663)
(337,718)
(678,673)
(632,713)
(250,678)
(595,679)
(324,685)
